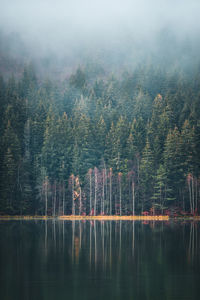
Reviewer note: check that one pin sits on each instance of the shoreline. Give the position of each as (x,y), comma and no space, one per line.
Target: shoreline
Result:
(100,218)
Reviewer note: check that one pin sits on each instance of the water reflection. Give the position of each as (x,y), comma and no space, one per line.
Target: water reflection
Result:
(53,259)
(193,242)
(107,241)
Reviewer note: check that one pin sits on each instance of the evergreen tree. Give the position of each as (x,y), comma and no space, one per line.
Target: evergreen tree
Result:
(10,171)
(146,176)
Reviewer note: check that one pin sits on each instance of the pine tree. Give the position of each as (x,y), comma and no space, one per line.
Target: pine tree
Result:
(162,193)
(172,161)
(10,170)
(26,174)
(146,176)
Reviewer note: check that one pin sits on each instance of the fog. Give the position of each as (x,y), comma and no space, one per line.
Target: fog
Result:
(112,30)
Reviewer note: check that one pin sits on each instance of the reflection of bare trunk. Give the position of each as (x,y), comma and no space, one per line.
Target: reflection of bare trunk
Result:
(54,232)
(133,236)
(73,229)
(80,235)
(95,244)
(110,243)
(63,223)
(46,235)
(90,243)
(133,195)
(103,242)
(192,242)
(120,238)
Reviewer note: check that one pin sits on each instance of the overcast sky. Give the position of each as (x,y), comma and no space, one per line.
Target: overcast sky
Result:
(61,24)
(89,17)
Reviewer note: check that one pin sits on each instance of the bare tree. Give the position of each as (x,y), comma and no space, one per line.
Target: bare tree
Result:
(63,197)
(90,178)
(72,189)
(110,191)
(80,204)
(120,192)
(95,190)
(46,194)
(54,199)
(103,192)
(133,195)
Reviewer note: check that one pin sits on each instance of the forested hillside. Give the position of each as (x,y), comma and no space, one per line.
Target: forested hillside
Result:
(98,143)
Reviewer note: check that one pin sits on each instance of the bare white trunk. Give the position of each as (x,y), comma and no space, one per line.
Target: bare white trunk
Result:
(80,205)
(189,187)
(90,192)
(54,201)
(95,191)
(120,197)
(103,192)
(193,201)
(196,193)
(63,206)
(73,206)
(46,196)
(110,191)
(106,191)
(133,195)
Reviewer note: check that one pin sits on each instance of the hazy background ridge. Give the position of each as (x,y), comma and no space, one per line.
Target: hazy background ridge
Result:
(115,33)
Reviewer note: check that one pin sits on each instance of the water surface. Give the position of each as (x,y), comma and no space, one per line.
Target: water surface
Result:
(62,260)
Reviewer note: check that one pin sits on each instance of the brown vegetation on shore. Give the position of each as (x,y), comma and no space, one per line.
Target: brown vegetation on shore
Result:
(100,218)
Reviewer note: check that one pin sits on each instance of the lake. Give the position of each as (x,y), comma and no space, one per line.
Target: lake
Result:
(59,259)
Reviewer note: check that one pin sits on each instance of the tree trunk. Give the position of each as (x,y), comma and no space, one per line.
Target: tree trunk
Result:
(63,206)
(73,206)
(120,197)
(193,203)
(103,193)
(90,191)
(189,188)
(46,196)
(133,195)
(80,204)
(95,190)
(54,201)
(110,191)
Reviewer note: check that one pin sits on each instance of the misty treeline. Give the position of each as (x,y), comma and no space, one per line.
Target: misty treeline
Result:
(101,144)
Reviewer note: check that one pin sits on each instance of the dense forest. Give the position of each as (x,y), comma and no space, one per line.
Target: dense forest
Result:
(99,143)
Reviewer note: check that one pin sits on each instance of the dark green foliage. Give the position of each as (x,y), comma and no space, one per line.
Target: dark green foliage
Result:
(143,128)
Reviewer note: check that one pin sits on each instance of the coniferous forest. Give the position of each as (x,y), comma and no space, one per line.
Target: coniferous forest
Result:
(101,143)
(99,149)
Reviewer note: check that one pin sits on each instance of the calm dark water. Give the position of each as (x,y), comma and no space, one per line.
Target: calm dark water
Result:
(99,260)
